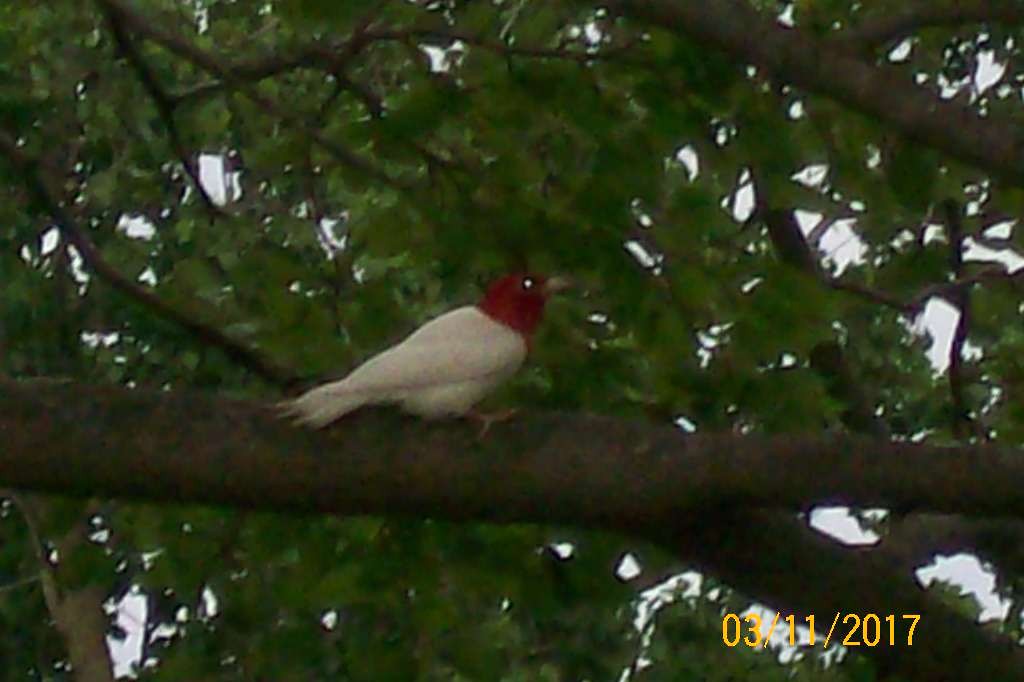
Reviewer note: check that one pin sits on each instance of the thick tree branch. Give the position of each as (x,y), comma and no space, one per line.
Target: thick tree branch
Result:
(896,21)
(915,540)
(882,92)
(77,611)
(631,476)
(760,553)
(39,187)
(585,470)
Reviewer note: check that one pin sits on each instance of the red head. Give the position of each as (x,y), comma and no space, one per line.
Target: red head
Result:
(518,300)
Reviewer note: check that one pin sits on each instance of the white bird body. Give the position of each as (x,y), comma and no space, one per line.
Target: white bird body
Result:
(442,369)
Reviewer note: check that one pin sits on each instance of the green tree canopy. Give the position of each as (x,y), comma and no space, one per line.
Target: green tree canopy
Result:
(769,206)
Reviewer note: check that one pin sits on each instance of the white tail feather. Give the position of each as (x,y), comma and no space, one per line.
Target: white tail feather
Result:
(320,406)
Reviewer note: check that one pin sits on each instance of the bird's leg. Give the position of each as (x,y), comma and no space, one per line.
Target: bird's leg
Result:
(486,419)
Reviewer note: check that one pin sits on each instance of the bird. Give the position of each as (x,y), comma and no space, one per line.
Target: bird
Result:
(448,365)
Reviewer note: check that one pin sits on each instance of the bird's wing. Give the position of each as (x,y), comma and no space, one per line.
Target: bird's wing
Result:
(461,345)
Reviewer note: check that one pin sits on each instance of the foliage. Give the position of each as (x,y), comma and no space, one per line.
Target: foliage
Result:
(443,143)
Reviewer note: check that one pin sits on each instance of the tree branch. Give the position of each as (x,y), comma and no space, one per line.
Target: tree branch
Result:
(775,558)
(827,358)
(882,92)
(962,423)
(215,65)
(632,476)
(164,106)
(896,21)
(77,611)
(587,470)
(452,36)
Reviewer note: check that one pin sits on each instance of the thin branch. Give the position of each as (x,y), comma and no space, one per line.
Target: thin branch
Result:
(962,424)
(215,65)
(164,106)
(39,187)
(827,223)
(910,309)
(451,36)
(20,582)
(948,290)
(827,358)
(793,247)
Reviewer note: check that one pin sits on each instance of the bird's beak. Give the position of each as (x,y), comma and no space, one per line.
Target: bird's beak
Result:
(554,285)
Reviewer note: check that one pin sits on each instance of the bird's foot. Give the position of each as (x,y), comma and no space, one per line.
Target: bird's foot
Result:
(486,419)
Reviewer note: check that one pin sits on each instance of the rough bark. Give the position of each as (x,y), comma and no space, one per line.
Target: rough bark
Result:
(187,446)
(625,475)
(885,93)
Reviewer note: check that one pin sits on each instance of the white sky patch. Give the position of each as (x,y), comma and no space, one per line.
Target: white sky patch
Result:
(691,162)
(97,339)
(681,586)
(743,199)
(210,606)
(839,523)
(329,620)
(874,159)
(563,550)
(202,18)
(811,175)
(642,256)
(328,237)
(628,567)
(934,233)
(978,252)
(939,319)
(49,241)
(131,617)
(786,16)
(1001,230)
(148,276)
(901,52)
(948,89)
(902,238)
(750,284)
(685,424)
(136,227)
(708,340)
(989,71)
(840,245)
(78,272)
(443,59)
(218,183)
(967,573)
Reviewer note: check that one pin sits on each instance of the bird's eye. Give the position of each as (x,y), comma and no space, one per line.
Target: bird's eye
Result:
(527,283)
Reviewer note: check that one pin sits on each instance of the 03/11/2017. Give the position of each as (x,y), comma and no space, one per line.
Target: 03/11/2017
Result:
(867,630)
